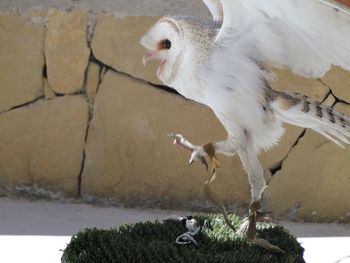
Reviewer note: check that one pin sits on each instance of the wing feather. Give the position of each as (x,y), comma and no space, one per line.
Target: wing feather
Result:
(215,8)
(305,36)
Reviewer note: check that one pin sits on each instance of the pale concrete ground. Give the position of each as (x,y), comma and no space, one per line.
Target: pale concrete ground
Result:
(37,231)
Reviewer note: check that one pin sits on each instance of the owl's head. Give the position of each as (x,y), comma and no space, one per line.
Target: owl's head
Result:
(164,42)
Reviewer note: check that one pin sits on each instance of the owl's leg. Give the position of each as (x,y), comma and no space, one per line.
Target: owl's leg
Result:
(256,180)
(257,183)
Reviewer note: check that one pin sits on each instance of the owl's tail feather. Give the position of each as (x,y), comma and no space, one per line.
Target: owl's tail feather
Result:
(303,111)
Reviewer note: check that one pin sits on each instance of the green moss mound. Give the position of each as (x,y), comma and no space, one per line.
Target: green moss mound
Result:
(155,242)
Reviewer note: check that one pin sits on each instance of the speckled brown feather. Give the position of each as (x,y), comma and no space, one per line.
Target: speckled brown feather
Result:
(307,105)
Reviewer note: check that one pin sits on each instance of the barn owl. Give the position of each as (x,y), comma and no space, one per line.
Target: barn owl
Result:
(221,63)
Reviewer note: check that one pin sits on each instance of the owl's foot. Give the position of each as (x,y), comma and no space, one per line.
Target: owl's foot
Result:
(251,231)
(248,228)
(197,152)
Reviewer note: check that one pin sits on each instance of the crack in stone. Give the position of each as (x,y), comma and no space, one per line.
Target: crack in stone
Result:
(44,72)
(337,99)
(41,98)
(90,117)
(59,95)
(84,88)
(102,74)
(274,169)
(24,104)
(82,168)
(156,86)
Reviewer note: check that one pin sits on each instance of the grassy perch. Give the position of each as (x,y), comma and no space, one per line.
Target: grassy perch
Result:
(155,242)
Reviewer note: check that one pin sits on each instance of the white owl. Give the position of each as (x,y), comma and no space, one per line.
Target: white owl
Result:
(221,63)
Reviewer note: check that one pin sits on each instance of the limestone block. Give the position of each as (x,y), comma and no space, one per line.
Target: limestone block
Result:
(21,61)
(338,80)
(35,16)
(116,42)
(92,81)
(129,156)
(66,50)
(42,144)
(313,184)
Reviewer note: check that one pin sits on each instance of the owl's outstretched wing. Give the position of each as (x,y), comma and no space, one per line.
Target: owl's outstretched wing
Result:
(305,36)
(215,8)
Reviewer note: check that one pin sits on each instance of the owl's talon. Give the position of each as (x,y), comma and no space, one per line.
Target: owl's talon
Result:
(204,162)
(197,152)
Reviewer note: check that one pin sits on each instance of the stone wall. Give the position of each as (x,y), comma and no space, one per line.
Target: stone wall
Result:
(80,117)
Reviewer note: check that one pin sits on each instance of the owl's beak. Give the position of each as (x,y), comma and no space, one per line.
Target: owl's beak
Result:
(149,56)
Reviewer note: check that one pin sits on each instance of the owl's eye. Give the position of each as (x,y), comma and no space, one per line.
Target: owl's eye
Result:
(167,43)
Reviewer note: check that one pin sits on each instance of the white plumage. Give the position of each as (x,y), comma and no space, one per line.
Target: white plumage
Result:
(221,64)
(306,36)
